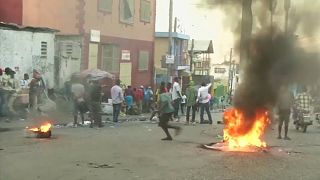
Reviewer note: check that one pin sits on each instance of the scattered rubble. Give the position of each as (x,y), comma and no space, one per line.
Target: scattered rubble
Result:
(96,165)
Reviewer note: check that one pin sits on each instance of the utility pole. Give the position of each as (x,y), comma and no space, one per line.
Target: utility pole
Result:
(272,8)
(170,47)
(287,4)
(175,24)
(232,71)
(230,74)
(191,56)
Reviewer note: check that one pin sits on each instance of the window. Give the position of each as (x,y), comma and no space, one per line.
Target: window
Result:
(220,70)
(145,11)
(105,5)
(69,49)
(127,11)
(44,49)
(143,60)
(110,58)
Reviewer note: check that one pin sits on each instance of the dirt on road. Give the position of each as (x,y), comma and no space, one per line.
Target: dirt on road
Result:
(134,151)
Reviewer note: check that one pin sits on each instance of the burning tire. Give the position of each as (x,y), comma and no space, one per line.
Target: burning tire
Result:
(44,131)
(44,134)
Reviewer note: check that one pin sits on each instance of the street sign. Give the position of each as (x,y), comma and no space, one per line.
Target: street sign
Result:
(94,35)
(169,59)
(125,55)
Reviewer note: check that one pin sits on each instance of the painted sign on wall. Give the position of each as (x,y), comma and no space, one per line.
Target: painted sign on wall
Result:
(125,55)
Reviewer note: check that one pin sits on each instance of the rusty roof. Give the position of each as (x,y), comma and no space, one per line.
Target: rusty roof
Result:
(16,27)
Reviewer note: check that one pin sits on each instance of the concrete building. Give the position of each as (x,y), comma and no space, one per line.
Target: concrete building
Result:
(67,57)
(201,53)
(118,35)
(181,64)
(26,48)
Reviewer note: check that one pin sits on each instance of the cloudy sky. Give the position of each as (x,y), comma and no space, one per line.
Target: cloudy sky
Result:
(199,24)
(208,24)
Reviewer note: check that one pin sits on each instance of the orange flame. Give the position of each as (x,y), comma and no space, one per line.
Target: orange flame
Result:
(43,128)
(240,132)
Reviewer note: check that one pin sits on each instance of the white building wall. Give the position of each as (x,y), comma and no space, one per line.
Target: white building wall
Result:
(21,51)
(68,57)
(223,76)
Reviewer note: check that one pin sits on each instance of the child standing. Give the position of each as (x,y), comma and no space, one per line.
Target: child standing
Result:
(183,103)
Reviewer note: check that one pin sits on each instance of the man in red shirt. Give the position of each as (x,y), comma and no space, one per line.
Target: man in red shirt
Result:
(139,98)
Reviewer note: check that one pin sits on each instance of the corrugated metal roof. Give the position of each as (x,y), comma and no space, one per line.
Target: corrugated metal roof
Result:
(16,27)
(205,46)
(174,35)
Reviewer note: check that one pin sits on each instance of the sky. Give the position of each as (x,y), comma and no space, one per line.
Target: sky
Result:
(207,24)
(199,24)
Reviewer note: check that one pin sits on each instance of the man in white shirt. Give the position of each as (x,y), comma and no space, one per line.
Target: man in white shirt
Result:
(176,96)
(117,100)
(24,83)
(204,99)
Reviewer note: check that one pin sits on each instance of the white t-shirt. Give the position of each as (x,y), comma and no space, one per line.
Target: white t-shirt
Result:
(184,98)
(24,84)
(203,94)
(116,95)
(176,91)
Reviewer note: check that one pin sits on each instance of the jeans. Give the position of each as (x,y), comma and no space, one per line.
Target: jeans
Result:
(146,107)
(176,104)
(205,106)
(284,117)
(182,107)
(116,112)
(193,113)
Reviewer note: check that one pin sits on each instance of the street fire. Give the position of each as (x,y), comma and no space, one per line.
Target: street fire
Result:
(240,132)
(243,132)
(44,131)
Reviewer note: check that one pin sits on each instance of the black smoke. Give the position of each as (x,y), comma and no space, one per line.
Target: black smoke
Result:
(274,61)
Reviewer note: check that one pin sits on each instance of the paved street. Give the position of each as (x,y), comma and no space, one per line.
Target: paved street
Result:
(134,151)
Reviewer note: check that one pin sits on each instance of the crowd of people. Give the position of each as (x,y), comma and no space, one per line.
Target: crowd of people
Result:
(28,91)
(86,96)
(163,103)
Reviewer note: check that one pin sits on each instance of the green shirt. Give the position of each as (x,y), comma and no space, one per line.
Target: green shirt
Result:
(165,103)
(191,94)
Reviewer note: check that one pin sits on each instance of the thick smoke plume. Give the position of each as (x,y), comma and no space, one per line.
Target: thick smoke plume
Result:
(274,61)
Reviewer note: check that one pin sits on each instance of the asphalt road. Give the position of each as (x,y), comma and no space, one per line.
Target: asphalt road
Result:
(134,151)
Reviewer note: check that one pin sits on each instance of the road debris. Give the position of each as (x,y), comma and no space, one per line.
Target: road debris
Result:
(96,165)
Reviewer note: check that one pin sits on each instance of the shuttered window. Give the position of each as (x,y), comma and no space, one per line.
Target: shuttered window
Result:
(44,49)
(145,11)
(105,5)
(143,60)
(111,57)
(127,10)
